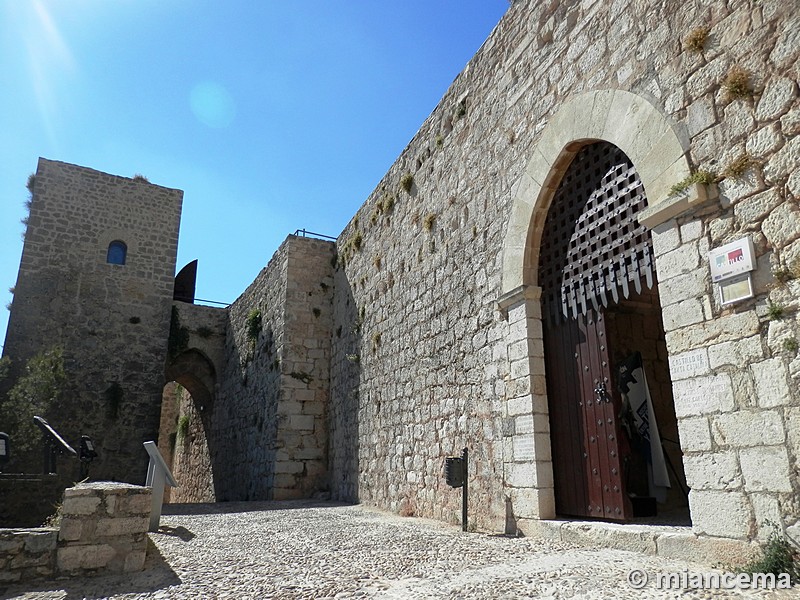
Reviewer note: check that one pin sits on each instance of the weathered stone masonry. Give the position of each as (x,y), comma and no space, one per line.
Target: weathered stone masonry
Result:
(269,428)
(111,320)
(451,371)
(420,331)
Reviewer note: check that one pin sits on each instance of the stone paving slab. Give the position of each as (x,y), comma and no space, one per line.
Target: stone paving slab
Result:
(313,550)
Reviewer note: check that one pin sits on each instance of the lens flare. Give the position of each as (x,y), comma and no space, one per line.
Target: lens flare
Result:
(212,104)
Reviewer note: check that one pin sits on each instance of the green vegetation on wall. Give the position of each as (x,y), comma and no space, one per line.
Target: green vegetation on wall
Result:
(36,392)
(178,335)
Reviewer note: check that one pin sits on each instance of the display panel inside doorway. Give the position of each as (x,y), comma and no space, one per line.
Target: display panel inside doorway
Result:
(600,249)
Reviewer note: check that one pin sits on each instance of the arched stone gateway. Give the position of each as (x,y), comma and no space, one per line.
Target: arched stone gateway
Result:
(591,472)
(184,433)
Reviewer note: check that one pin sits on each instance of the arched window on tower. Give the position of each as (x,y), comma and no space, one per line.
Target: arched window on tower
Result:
(117,251)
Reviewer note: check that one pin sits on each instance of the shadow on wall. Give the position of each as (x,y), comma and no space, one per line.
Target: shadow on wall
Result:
(244,425)
(346,351)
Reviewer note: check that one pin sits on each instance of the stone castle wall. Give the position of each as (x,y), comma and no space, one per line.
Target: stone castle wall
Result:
(425,363)
(111,320)
(419,332)
(269,423)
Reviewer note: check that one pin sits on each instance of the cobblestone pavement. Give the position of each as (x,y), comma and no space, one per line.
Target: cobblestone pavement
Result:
(311,550)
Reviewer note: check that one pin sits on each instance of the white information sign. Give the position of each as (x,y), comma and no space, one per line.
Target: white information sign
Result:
(735,289)
(732,259)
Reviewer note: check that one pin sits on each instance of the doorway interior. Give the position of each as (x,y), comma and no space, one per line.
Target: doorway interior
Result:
(613,428)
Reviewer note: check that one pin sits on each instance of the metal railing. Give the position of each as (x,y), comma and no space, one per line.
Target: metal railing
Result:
(304,233)
(212,302)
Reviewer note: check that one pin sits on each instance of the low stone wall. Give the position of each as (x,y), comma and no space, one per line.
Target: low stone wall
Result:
(27,554)
(103,529)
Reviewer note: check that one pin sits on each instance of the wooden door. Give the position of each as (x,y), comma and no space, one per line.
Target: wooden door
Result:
(584,429)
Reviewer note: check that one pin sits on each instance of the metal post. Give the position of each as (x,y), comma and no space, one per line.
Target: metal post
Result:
(158,475)
(464,494)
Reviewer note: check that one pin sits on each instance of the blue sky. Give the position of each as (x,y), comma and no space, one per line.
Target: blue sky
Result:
(272,116)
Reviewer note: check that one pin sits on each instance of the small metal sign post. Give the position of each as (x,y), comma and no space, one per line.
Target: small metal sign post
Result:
(158,475)
(86,455)
(54,445)
(4,451)
(456,473)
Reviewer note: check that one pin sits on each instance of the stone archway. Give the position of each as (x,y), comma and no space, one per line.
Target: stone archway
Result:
(187,406)
(658,150)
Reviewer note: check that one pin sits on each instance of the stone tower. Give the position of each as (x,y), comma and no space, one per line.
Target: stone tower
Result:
(97,278)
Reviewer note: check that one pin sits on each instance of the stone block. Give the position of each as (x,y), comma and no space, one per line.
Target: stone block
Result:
(777,98)
(110,527)
(540,529)
(780,165)
(530,474)
(766,469)
(782,226)
(523,424)
(755,208)
(683,313)
(688,285)
(694,434)
(138,504)
(519,406)
(11,542)
(790,122)
(71,529)
(689,364)
(703,396)
(765,141)
(520,475)
(301,422)
(308,454)
(288,467)
(793,429)
(720,513)
(772,387)
(610,535)
(80,504)
(74,558)
(705,550)
(134,561)
(691,230)
(700,115)
(666,237)
(767,511)
(683,259)
(712,471)
(778,332)
(523,447)
(285,481)
(748,428)
(532,503)
(8,576)
(735,353)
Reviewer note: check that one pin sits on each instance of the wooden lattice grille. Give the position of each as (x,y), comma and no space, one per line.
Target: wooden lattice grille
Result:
(593,248)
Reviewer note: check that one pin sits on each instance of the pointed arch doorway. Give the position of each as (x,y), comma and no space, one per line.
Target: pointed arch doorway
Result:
(603,337)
